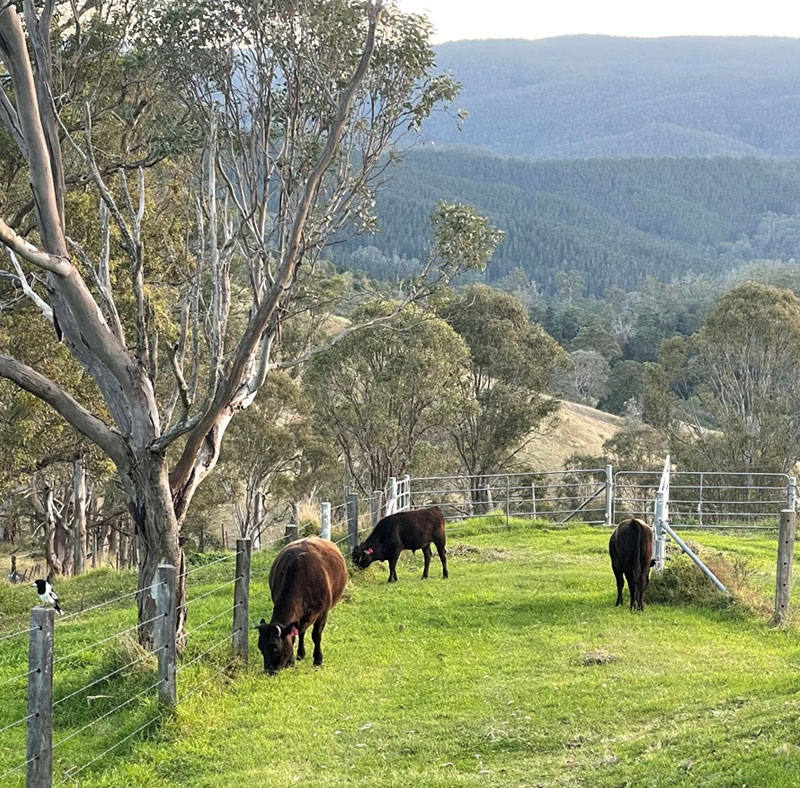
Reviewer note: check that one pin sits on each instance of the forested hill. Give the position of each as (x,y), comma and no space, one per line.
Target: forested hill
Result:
(590,96)
(613,220)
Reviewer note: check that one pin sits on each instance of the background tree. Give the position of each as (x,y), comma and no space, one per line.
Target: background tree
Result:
(272,454)
(503,393)
(728,397)
(387,394)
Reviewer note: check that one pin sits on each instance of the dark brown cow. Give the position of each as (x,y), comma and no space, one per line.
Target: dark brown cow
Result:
(306,580)
(631,551)
(414,530)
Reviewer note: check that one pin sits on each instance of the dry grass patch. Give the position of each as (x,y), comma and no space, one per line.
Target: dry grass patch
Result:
(472,554)
(598,657)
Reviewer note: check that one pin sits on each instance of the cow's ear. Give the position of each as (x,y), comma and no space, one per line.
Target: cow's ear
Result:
(652,562)
(262,621)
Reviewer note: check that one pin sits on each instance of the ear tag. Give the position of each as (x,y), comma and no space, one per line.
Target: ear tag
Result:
(294,632)
(369,551)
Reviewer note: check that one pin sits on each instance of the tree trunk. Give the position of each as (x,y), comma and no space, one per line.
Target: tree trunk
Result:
(156,530)
(79,515)
(481,495)
(258,517)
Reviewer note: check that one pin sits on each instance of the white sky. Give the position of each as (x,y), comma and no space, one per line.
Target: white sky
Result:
(457,19)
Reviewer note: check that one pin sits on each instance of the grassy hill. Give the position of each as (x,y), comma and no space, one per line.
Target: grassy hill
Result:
(579,430)
(485,679)
(590,96)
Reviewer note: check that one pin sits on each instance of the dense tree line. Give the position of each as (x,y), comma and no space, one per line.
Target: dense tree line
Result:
(615,221)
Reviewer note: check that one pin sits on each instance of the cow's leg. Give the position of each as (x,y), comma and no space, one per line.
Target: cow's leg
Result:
(316,636)
(393,567)
(301,645)
(620,584)
(443,558)
(640,595)
(426,551)
(631,587)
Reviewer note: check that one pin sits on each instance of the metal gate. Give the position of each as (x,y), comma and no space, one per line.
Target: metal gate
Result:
(707,499)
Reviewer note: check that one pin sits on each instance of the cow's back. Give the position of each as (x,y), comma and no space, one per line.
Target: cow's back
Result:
(631,545)
(413,529)
(310,571)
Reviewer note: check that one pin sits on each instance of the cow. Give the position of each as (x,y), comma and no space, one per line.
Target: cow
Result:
(306,580)
(631,551)
(413,530)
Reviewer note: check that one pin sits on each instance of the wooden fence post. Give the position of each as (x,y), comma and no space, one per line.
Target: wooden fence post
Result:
(325,520)
(352,519)
(40,699)
(165,634)
(375,506)
(290,534)
(241,599)
(783,579)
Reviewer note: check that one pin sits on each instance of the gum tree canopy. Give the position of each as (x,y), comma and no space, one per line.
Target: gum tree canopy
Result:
(269,124)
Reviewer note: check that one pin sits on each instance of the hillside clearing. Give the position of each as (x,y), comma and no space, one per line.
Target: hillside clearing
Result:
(518,671)
(579,430)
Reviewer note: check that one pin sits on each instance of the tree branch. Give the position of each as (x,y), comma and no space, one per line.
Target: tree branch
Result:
(67,406)
(42,305)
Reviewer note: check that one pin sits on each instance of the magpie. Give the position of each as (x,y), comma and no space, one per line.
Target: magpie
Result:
(46,594)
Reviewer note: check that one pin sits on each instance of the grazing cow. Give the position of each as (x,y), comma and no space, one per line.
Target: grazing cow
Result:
(631,551)
(306,580)
(414,530)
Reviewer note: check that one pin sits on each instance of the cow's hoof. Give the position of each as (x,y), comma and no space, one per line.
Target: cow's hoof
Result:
(424,577)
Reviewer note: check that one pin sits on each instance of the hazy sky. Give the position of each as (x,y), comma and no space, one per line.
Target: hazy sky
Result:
(455,19)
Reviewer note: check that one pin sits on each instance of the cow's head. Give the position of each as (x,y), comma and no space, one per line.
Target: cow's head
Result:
(276,643)
(363,557)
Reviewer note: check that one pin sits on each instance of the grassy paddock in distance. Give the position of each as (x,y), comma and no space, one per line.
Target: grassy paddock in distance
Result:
(483,679)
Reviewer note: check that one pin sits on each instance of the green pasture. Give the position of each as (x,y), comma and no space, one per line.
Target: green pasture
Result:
(517,671)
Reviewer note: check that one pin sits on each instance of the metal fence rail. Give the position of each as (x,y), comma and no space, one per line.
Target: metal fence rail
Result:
(556,496)
(708,499)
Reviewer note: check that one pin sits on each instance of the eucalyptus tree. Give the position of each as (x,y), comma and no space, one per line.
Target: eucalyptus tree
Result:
(727,397)
(296,108)
(388,394)
(510,363)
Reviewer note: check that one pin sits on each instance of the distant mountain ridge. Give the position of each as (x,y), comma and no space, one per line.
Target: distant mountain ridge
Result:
(601,96)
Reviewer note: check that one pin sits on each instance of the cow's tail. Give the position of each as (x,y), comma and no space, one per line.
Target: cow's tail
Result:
(637,558)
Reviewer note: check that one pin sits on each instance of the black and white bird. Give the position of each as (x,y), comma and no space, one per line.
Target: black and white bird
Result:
(46,594)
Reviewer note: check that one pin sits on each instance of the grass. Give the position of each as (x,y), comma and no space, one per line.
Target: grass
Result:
(517,671)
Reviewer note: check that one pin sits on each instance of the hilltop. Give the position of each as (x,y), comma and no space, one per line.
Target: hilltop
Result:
(590,96)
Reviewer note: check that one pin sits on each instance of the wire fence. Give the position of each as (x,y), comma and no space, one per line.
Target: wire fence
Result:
(555,496)
(124,687)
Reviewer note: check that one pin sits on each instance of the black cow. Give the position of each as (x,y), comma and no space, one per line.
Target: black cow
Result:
(414,530)
(306,580)
(631,551)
